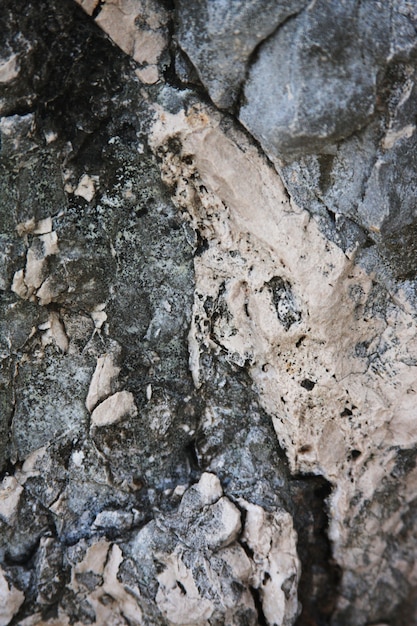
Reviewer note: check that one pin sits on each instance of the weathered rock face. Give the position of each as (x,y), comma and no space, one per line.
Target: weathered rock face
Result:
(219,38)
(208,336)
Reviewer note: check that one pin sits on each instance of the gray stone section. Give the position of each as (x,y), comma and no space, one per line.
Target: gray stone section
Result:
(328,89)
(317,76)
(330,98)
(219,38)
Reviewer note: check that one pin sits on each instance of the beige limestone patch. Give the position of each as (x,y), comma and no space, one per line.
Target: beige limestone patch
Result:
(86,187)
(318,377)
(393,136)
(98,315)
(10,492)
(31,282)
(104,380)
(277,569)
(115,408)
(209,488)
(11,600)
(178,597)
(111,602)
(41,227)
(53,331)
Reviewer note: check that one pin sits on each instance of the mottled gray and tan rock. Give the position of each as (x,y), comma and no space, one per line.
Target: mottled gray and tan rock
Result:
(276,570)
(139,28)
(297,368)
(207,378)
(10,493)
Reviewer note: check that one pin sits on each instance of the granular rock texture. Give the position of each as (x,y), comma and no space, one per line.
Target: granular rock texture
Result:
(208,313)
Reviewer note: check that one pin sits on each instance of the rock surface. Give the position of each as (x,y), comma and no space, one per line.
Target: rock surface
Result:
(208,334)
(219,38)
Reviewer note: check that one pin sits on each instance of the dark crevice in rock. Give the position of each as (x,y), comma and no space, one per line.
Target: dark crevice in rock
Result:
(320,575)
(256,595)
(98,8)
(190,81)
(170,74)
(326,163)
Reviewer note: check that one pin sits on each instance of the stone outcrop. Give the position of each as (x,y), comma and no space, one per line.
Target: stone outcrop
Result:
(207,316)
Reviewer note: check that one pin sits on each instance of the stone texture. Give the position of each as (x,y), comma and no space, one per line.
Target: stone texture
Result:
(297,372)
(139,28)
(333,114)
(207,335)
(219,39)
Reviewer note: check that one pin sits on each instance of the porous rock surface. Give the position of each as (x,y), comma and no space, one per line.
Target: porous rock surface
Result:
(208,316)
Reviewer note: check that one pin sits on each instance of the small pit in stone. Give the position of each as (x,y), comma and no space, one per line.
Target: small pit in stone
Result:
(285,302)
(300,341)
(181,588)
(308,384)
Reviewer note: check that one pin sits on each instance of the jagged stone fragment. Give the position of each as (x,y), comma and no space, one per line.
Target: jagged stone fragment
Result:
(112,410)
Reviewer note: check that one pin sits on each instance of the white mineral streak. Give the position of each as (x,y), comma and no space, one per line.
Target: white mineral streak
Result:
(29,283)
(9,69)
(114,409)
(138,27)
(104,380)
(86,187)
(10,491)
(273,540)
(11,600)
(357,400)
(98,315)
(149,392)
